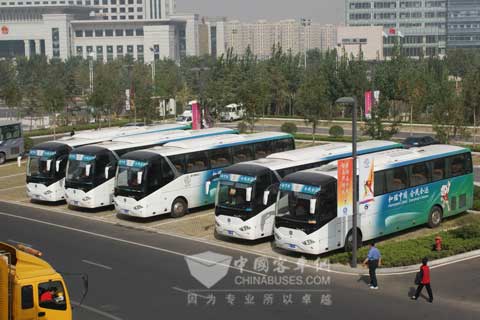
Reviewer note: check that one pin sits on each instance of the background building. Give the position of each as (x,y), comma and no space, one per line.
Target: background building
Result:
(420,24)
(367,40)
(463,23)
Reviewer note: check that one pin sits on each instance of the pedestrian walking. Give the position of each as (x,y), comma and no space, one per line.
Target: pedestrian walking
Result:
(373,261)
(424,277)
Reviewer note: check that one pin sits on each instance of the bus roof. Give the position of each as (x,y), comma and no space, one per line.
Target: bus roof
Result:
(399,157)
(9,122)
(201,144)
(326,152)
(150,139)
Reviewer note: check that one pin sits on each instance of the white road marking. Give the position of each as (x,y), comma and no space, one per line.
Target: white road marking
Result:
(183,219)
(17,187)
(94,310)
(98,235)
(13,175)
(97,264)
(225,246)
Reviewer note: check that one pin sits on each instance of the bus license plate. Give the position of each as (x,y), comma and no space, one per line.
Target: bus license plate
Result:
(75,203)
(292,246)
(230,232)
(125,211)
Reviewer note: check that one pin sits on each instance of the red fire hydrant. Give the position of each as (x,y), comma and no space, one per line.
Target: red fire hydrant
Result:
(438,243)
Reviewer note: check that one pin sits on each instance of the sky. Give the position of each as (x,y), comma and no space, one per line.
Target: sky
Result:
(322,11)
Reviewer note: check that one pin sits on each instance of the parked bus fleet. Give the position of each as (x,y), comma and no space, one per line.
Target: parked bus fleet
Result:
(260,185)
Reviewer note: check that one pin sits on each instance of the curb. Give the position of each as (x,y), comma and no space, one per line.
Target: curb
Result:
(409,269)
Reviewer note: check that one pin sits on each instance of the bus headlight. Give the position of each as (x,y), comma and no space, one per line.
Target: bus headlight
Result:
(137,207)
(48,192)
(86,199)
(308,242)
(244,228)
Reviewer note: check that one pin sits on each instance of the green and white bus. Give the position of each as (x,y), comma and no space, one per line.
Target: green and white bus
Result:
(11,140)
(411,188)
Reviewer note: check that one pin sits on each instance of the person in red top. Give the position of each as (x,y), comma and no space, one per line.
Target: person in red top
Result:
(425,282)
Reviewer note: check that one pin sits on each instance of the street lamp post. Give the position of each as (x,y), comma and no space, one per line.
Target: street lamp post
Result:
(305,23)
(353,102)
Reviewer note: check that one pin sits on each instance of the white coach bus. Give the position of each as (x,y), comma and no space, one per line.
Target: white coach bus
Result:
(183,175)
(47,161)
(90,177)
(237,217)
(411,188)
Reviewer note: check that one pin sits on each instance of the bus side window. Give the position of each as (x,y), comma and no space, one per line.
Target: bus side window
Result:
(263,149)
(419,174)
(167,173)
(379,184)
(27,297)
(456,165)
(468,163)
(178,162)
(197,161)
(438,169)
(220,158)
(242,153)
(396,179)
(16,131)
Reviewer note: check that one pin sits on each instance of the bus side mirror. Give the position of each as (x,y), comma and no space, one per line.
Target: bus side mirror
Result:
(266,194)
(207,187)
(248,195)
(57,165)
(49,165)
(87,170)
(313,205)
(107,170)
(139,177)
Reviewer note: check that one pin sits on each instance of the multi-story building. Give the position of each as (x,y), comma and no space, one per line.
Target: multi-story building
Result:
(103,29)
(463,23)
(328,37)
(367,41)
(419,24)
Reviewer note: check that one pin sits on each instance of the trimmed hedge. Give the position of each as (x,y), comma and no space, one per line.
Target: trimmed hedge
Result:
(411,251)
(289,127)
(336,131)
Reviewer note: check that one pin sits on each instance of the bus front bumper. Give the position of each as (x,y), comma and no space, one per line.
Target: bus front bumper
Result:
(41,192)
(233,227)
(80,198)
(296,240)
(130,207)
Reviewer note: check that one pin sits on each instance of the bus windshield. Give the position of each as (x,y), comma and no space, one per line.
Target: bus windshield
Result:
(234,195)
(131,178)
(41,166)
(81,169)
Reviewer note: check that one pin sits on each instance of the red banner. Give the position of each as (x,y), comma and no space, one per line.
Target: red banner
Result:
(196,116)
(368,104)
(345,187)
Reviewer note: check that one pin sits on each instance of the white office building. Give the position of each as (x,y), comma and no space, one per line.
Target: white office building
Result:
(103,29)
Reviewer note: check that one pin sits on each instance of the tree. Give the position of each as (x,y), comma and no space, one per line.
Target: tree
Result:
(471,94)
(313,99)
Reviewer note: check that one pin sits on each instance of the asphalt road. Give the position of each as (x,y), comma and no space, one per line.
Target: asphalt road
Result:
(139,275)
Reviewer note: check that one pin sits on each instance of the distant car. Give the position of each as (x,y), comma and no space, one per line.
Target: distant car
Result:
(183,120)
(412,142)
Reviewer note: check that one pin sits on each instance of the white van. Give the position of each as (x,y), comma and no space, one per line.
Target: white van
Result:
(232,112)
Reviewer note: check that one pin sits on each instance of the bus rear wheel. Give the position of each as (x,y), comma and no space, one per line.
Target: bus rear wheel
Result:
(349,240)
(435,217)
(3,158)
(179,208)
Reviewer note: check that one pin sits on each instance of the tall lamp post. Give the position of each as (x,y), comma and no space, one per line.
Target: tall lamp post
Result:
(352,101)
(305,23)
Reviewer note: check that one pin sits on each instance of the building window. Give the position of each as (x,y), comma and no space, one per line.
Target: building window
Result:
(88,33)
(98,33)
(78,33)
(122,17)
(113,10)
(129,32)
(130,1)
(109,33)
(139,9)
(114,17)
(130,50)
(122,9)
(139,1)
(79,51)
(96,2)
(119,49)
(89,49)
(131,17)
(131,9)
(119,32)
(56,42)
(139,32)
(105,2)
(139,17)
(122,1)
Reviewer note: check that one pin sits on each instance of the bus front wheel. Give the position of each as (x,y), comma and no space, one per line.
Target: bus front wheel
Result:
(435,217)
(3,158)
(179,208)
(349,240)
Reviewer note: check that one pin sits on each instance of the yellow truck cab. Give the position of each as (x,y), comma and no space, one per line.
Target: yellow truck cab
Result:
(30,289)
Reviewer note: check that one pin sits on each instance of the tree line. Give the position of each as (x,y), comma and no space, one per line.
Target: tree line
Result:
(442,92)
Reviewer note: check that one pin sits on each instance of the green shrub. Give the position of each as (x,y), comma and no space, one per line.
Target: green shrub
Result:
(467,232)
(242,127)
(336,131)
(289,127)
(28,142)
(476,204)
